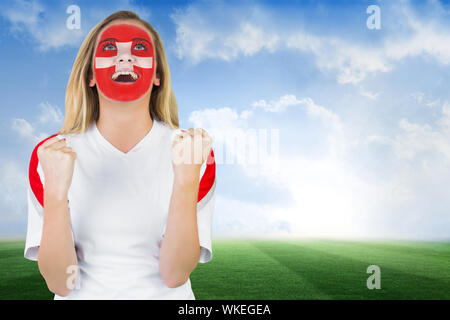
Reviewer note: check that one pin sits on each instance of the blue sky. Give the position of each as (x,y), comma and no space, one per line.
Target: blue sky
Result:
(363,115)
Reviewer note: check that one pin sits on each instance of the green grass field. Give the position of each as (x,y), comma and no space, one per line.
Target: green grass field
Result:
(284,269)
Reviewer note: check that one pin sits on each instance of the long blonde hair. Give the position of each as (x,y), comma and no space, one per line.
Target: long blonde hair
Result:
(82,104)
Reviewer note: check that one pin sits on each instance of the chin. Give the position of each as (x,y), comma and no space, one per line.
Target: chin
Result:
(142,97)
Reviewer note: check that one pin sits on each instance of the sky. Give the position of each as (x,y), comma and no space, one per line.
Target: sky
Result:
(357,119)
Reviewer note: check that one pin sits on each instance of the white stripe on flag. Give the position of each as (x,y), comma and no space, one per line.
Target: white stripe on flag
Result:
(106,62)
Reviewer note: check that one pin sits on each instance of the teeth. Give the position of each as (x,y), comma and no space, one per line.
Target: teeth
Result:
(131,73)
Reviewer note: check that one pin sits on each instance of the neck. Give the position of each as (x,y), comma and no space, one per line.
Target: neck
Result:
(124,124)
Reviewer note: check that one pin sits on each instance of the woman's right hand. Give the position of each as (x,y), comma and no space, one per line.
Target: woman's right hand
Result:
(57,161)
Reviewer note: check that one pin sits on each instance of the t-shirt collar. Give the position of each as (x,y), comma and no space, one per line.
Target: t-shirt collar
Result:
(144,141)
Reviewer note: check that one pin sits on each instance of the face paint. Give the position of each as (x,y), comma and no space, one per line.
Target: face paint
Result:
(124,62)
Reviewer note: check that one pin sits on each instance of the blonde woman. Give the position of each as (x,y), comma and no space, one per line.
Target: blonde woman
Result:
(120,200)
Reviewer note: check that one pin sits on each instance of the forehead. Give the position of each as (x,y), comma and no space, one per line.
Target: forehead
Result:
(124,32)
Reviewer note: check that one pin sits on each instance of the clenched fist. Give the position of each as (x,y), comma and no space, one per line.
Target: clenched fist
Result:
(190,148)
(57,161)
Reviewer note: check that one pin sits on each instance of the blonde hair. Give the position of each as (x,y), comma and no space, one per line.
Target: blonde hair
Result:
(82,104)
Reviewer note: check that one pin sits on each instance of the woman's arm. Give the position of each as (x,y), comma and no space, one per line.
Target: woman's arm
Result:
(56,251)
(180,248)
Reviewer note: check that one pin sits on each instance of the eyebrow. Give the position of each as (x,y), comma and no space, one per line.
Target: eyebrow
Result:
(134,39)
(140,39)
(108,39)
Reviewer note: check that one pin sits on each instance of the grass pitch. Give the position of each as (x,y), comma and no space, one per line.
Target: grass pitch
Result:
(283,269)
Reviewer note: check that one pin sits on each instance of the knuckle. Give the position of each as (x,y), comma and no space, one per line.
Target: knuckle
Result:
(59,153)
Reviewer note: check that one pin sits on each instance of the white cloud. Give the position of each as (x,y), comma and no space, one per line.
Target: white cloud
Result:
(426,38)
(334,196)
(369,94)
(308,181)
(354,61)
(22,127)
(26,130)
(49,115)
(290,100)
(249,40)
(13,182)
(205,31)
(425,100)
(202,34)
(222,118)
(421,140)
(327,116)
(228,129)
(32,19)
(324,113)
(229,220)
(235,139)
(278,105)
(46,25)
(351,61)
(23,13)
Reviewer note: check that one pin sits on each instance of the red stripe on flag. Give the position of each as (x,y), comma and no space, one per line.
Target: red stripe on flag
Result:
(33,175)
(208,177)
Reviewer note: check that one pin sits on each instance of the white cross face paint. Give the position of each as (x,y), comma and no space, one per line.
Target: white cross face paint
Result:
(124,62)
(123,50)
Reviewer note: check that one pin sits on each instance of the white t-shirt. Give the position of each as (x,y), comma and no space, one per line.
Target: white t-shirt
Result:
(118,204)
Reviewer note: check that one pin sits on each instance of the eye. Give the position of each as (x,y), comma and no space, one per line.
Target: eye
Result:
(140,47)
(109,47)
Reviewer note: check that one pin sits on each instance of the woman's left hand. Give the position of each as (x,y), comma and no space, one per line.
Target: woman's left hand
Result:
(190,148)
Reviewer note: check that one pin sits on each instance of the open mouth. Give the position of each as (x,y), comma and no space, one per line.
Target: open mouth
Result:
(125,76)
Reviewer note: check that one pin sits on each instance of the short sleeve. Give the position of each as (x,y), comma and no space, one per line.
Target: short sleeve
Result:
(35,205)
(205,207)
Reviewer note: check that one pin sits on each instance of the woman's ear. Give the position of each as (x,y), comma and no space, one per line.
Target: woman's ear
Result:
(156,80)
(92,81)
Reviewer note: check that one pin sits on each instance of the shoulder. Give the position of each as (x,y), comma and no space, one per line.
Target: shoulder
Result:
(164,128)
(166,133)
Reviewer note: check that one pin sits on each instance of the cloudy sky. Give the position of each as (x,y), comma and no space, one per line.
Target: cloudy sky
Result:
(360,118)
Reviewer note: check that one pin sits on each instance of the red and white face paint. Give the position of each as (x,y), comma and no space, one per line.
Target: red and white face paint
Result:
(124,62)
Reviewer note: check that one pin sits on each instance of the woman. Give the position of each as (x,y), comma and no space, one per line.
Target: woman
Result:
(120,202)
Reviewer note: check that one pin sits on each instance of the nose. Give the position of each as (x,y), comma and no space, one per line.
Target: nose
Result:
(125,60)
(122,60)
